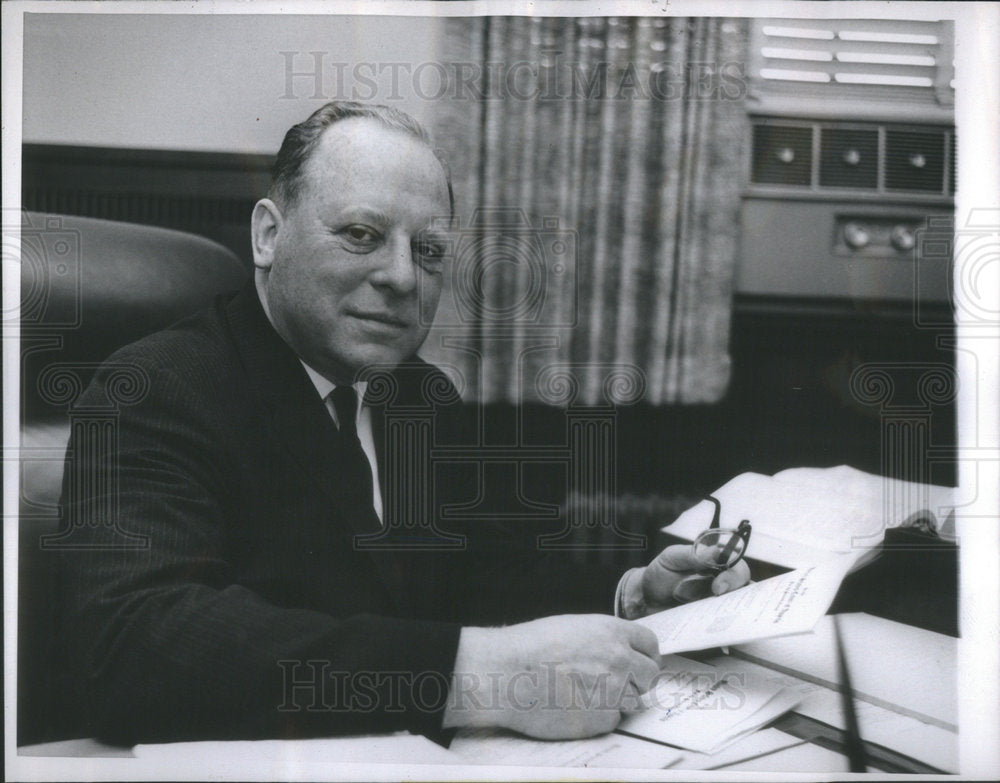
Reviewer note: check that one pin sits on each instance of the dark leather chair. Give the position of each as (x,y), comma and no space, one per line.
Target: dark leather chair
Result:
(88,287)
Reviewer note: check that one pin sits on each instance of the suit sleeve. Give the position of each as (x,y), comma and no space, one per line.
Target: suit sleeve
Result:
(507,574)
(506,578)
(166,644)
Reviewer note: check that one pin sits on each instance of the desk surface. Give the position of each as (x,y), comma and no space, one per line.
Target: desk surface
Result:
(905,682)
(892,666)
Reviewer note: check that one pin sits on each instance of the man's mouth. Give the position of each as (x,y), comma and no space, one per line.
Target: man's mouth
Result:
(386,319)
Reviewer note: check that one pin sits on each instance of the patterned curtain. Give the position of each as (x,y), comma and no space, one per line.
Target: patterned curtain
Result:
(597,164)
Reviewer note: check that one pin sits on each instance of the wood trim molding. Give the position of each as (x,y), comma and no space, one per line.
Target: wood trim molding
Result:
(207,193)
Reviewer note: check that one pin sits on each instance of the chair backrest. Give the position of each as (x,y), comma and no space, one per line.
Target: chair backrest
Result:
(88,287)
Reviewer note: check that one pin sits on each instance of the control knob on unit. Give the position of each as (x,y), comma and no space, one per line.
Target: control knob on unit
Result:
(902,238)
(785,154)
(856,235)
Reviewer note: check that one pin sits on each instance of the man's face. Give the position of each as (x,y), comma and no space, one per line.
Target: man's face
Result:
(349,273)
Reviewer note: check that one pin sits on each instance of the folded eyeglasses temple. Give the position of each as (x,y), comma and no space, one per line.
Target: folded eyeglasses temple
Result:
(718,511)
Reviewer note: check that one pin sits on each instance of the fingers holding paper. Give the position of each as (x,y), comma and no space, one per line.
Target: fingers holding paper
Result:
(562,677)
(676,576)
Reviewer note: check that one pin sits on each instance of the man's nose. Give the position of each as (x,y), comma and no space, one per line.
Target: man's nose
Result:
(397,270)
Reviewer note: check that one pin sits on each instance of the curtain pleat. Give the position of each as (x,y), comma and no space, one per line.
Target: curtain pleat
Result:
(596,221)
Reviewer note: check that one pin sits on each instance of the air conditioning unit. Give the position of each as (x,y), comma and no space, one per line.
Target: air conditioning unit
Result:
(852,163)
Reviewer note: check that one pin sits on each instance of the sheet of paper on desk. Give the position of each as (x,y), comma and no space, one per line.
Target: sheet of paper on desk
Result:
(759,744)
(922,663)
(801,515)
(787,604)
(887,726)
(610,751)
(277,755)
(704,708)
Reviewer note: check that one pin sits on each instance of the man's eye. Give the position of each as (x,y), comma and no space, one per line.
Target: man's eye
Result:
(361,235)
(429,250)
(430,254)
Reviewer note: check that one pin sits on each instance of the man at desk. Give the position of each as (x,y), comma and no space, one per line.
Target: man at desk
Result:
(252,468)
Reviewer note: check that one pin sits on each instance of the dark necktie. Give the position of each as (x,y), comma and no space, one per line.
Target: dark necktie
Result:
(356,472)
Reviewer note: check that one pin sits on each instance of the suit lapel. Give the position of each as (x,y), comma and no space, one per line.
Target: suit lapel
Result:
(298,417)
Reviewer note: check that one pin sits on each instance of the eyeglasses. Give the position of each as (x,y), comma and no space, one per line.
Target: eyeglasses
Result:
(716,550)
(720,548)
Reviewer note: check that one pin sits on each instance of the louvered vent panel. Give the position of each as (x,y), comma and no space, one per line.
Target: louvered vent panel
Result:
(782,155)
(848,158)
(914,160)
(874,157)
(876,59)
(952,163)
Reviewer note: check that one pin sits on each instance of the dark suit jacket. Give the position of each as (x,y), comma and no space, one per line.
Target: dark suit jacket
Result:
(250,612)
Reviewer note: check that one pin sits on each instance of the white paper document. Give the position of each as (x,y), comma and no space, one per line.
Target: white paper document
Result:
(278,755)
(610,751)
(894,729)
(802,515)
(782,605)
(759,745)
(693,706)
(700,707)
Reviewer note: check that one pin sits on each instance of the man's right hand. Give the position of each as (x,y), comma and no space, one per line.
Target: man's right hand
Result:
(562,677)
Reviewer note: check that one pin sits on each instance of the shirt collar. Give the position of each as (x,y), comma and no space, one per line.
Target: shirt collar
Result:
(324,386)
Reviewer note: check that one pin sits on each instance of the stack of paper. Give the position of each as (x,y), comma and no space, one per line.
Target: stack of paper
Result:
(802,515)
(700,707)
(913,711)
(610,751)
(760,745)
(693,707)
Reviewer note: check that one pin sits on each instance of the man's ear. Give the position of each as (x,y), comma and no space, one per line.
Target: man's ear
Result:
(265,223)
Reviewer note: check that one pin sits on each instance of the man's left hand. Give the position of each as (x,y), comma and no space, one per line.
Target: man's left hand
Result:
(651,589)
